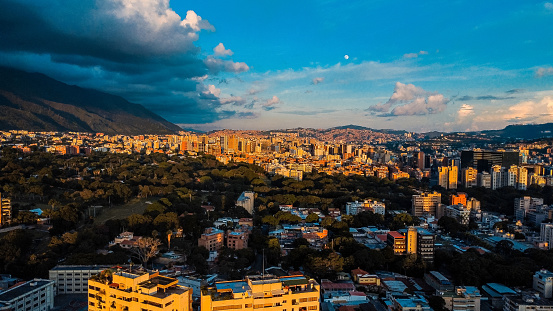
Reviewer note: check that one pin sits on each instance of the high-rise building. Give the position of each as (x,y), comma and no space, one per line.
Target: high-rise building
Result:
(496,174)
(443,176)
(522,178)
(546,234)
(425,203)
(425,245)
(484,160)
(484,180)
(469,177)
(261,292)
(412,240)
(137,290)
(5,210)
(453,177)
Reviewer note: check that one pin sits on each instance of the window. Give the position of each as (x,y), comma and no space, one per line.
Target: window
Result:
(313,308)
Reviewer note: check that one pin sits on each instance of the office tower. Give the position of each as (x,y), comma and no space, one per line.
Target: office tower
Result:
(484,180)
(425,203)
(484,160)
(443,176)
(137,290)
(261,292)
(469,177)
(453,177)
(522,178)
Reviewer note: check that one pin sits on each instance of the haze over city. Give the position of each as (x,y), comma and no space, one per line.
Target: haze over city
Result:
(440,65)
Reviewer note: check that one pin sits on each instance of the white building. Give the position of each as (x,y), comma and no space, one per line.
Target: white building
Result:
(34,295)
(543,283)
(246,200)
(546,234)
(459,212)
(73,279)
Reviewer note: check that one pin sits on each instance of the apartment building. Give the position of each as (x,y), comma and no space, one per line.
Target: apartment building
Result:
(463,298)
(425,203)
(34,295)
(290,293)
(397,242)
(73,279)
(137,290)
(543,283)
(212,239)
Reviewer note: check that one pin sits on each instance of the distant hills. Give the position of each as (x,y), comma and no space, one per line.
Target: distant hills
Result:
(524,131)
(36,102)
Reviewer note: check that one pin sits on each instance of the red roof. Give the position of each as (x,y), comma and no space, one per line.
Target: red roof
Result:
(396,235)
(358,271)
(382,237)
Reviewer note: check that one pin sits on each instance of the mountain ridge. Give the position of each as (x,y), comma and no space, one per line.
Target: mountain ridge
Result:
(37,102)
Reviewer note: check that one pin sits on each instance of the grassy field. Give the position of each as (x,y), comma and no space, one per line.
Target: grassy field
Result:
(135,206)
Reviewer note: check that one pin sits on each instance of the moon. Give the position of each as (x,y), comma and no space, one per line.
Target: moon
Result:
(346,56)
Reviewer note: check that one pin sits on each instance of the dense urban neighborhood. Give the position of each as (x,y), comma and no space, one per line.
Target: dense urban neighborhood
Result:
(286,220)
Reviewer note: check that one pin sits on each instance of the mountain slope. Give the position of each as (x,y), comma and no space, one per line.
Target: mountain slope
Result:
(35,102)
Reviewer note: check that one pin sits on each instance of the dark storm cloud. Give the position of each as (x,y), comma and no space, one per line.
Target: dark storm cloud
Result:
(143,51)
(483,97)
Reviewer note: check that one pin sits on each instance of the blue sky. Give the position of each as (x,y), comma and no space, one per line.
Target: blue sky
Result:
(437,65)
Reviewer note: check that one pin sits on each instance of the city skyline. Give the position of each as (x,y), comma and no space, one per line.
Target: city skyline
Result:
(418,67)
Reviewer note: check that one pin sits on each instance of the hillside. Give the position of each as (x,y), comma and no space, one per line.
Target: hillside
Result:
(36,102)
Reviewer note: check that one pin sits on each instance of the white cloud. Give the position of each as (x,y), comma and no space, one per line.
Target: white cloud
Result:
(216,65)
(544,71)
(409,100)
(271,102)
(146,25)
(465,111)
(415,55)
(531,110)
(211,89)
(221,51)
(548,6)
(317,80)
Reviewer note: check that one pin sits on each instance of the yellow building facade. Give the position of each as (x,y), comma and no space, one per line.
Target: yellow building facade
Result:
(126,290)
(412,240)
(289,293)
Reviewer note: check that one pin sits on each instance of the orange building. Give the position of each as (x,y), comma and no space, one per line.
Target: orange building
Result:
(211,239)
(237,239)
(459,198)
(397,241)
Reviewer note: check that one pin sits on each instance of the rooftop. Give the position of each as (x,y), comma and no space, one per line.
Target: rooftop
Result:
(234,286)
(79,267)
(22,289)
